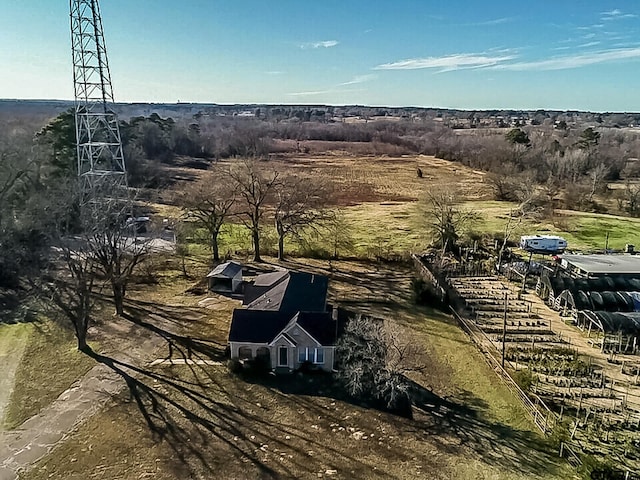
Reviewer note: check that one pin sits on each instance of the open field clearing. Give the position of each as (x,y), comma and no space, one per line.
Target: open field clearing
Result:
(194,419)
(387,178)
(382,201)
(582,230)
(197,420)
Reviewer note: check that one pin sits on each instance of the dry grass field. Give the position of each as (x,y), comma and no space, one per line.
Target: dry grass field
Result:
(382,201)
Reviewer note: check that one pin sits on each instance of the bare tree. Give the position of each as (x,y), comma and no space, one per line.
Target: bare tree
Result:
(300,204)
(23,202)
(597,176)
(502,184)
(73,290)
(73,276)
(209,202)
(182,231)
(338,234)
(516,217)
(112,240)
(374,359)
(446,219)
(254,188)
(629,199)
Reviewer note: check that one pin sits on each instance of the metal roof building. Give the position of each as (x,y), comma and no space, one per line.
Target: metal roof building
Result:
(597,265)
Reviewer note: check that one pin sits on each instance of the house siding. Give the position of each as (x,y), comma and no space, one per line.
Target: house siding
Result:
(234,348)
(304,340)
(293,364)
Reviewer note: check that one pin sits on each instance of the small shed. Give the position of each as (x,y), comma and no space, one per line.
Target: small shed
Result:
(226,278)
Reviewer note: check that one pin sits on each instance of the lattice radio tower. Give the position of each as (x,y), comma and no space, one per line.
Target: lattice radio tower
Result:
(99,146)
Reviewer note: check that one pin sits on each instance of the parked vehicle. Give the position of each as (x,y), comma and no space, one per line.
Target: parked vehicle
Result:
(543,244)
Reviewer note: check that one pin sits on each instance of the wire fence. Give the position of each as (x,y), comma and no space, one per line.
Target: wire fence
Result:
(542,416)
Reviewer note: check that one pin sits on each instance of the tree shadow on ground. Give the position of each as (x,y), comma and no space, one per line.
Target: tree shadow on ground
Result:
(494,443)
(460,420)
(164,321)
(204,416)
(191,416)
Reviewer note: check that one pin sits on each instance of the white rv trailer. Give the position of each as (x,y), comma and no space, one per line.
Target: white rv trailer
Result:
(543,244)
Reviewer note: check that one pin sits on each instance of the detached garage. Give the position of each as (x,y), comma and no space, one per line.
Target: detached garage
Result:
(226,278)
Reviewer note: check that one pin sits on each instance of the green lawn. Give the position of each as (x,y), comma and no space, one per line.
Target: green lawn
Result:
(50,364)
(13,341)
(582,230)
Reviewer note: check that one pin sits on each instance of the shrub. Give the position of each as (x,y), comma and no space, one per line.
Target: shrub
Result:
(424,293)
(234,366)
(524,379)
(594,468)
(259,365)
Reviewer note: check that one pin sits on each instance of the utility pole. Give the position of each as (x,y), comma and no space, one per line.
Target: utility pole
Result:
(99,146)
(526,272)
(504,326)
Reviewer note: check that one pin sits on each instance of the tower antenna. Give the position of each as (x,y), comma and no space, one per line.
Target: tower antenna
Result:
(99,145)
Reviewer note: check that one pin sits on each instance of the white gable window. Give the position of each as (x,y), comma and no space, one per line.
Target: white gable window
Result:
(310,354)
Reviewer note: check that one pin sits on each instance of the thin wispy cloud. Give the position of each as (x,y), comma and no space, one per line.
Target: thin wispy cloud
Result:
(626,45)
(616,14)
(360,79)
(313,93)
(573,61)
(448,62)
(495,21)
(589,44)
(323,44)
(309,93)
(274,72)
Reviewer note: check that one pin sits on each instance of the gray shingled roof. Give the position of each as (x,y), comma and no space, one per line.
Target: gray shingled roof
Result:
(226,270)
(291,292)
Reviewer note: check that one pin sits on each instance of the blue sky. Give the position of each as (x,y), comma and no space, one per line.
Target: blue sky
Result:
(457,54)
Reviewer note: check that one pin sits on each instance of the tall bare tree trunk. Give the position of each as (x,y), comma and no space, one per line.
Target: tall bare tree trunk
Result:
(118,297)
(280,247)
(215,248)
(256,246)
(81,335)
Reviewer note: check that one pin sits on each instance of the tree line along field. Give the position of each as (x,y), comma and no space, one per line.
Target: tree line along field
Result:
(379,195)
